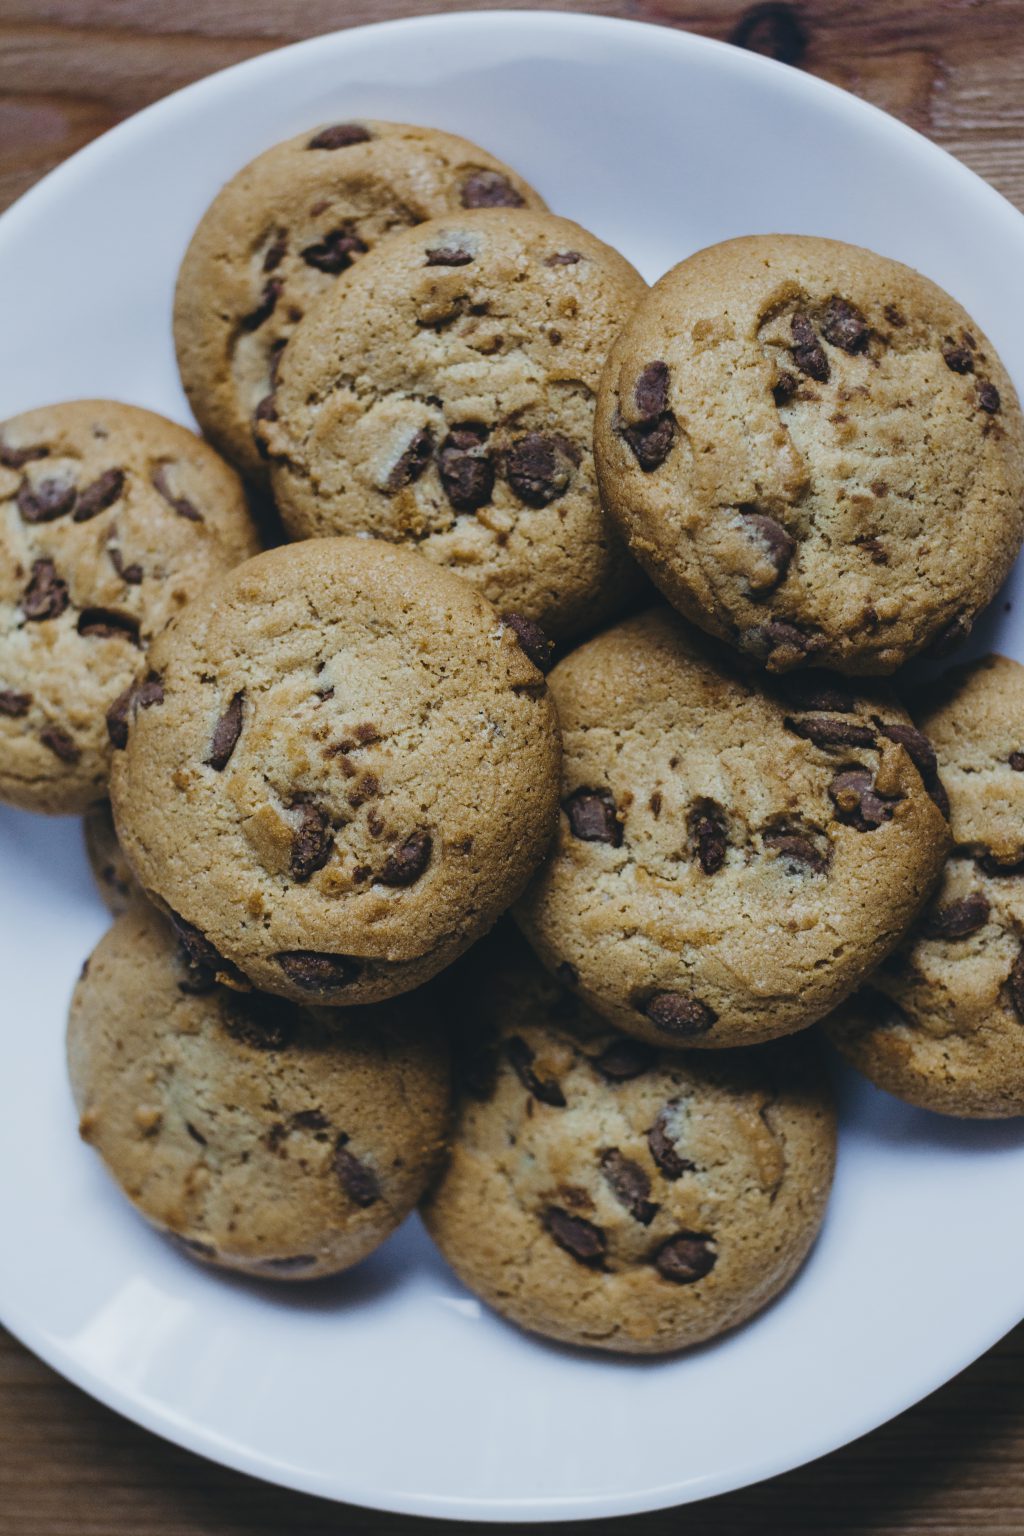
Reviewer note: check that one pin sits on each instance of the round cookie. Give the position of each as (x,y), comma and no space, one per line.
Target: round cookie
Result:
(280,232)
(635,1199)
(814,452)
(443,396)
(111,519)
(730,862)
(941,1024)
(350,771)
(110,870)
(269,1138)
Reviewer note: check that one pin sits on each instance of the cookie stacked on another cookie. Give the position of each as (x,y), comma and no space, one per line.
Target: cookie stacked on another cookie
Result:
(942,1022)
(815,453)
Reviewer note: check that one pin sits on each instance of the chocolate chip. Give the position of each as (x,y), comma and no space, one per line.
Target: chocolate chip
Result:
(266,306)
(563,259)
(580,1238)
(13,704)
(777,544)
(785,387)
(60,744)
(858,803)
(312,842)
(539,468)
(624,1059)
(289,1262)
(181,504)
(448,256)
(17,458)
(266,410)
(275,252)
(466,467)
(629,1184)
(46,596)
(773,30)
(1017,985)
(592,817)
(108,624)
(685,1258)
(894,317)
(988,397)
(150,691)
(779,635)
(489,189)
(950,636)
(797,848)
(922,754)
(532,639)
(708,835)
(661,1145)
(340,136)
(676,1014)
(47,501)
(958,359)
(118,717)
(406,862)
(546,1089)
(412,462)
(226,733)
(651,438)
(196,1135)
(102,493)
(357,1179)
(844,326)
(990,865)
(815,691)
(132,574)
(1017,762)
(958,919)
(650,392)
(824,731)
(655,803)
(202,957)
(262,1022)
(808,353)
(315,972)
(333,254)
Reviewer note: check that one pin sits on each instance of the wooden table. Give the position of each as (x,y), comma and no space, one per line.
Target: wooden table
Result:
(70,69)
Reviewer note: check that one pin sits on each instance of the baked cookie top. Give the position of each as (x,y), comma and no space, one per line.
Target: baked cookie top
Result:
(730,861)
(264,1136)
(815,453)
(443,396)
(280,233)
(341,768)
(111,519)
(942,1022)
(635,1199)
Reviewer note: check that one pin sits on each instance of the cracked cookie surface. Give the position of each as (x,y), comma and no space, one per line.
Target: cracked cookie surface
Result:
(284,229)
(350,771)
(269,1138)
(941,1023)
(111,520)
(814,452)
(634,1199)
(443,396)
(732,857)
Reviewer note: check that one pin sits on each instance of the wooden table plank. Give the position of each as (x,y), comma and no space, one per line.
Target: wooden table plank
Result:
(70,69)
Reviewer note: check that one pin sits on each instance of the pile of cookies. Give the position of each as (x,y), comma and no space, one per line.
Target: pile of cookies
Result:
(471,439)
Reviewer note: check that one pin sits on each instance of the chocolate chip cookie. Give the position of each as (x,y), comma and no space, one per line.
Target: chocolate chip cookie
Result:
(114,879)
(284,229)
(351,769)
(263,1137)
(815,453)
(111,519)
(609,1194)
(443,396)
(942,1022)
(730,861)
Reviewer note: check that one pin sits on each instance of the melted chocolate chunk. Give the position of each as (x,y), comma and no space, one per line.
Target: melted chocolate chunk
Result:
(823,731)
(662,1147)
(706,826)
(676,1014)
(357,1178)
(413,461)
(546,1089)
(686,1258)
(405,863)
(652,437)
(315,972)
(60,744)
(107,624)
(579,1237)
(340,136)
(808,353)
(532,639)
(629,1184)
(181,504)
(226,733)
(47,501)
(333,254)
(266,306)
(844,326)
(102,493)
(466,467)
(958,919)
(14,705)
(858,803)
(592,817)
(46,595)
(539,469)
(797,850)
(448,256)
(489,189)
(312,842)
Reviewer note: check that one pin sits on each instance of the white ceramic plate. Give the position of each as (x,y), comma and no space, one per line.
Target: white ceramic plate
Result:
(392,1387)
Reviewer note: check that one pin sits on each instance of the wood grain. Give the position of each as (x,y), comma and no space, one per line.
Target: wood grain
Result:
(70,69)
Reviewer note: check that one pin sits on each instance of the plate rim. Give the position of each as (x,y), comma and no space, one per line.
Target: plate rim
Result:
(157,1418)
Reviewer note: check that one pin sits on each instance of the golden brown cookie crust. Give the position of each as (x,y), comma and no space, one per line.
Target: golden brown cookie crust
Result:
(284,229)
(351,769)
(608,1194)
(111,519)
(730,861)
(110,869)
(941,1024)
(814,452)
(268,1138)
(443,396)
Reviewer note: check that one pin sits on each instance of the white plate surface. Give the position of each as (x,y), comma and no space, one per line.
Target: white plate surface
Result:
(392,1387)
